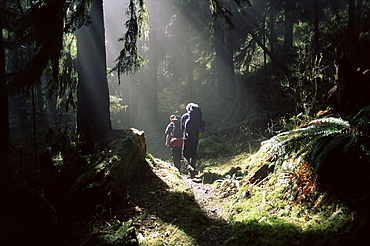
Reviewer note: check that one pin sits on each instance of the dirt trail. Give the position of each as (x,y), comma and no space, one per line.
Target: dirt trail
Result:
(205,195)
(171,207)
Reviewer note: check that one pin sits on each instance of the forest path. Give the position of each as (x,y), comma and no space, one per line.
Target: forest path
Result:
(205,195)
(172,209)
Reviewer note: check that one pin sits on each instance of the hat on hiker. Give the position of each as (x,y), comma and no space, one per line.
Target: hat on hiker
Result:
(174,117)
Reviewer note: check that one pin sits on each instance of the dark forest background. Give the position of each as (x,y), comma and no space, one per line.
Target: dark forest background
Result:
(250,65)
(71,71)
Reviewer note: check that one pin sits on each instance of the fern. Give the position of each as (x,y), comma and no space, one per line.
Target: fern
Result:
(312,143)
(303,142)
(329,152)
(320,138)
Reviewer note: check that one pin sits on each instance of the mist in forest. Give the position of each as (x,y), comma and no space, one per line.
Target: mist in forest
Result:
(233,63)
(245,65)
(165,48)
(169,79)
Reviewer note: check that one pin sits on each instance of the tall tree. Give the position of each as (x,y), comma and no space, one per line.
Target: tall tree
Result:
(34,32)
(154,65)
(229,63)
(93,118)
(351,18)
(219,39)
(316,27)
(288,27)
(4,114)
(271,26)
(189,68)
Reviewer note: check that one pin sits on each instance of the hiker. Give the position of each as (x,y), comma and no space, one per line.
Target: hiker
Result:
(174,139)
(192,126)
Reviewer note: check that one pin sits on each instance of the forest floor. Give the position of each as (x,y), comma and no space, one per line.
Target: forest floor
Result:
(171,209)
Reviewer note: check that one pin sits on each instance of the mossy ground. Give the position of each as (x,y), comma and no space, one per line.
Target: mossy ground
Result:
(167,208)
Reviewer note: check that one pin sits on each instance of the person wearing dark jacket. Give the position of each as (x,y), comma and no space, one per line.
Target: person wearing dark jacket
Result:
(191,138)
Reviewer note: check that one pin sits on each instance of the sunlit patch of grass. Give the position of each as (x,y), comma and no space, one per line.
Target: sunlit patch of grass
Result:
(265,214)
(221,165)
(269,218)
(165,234)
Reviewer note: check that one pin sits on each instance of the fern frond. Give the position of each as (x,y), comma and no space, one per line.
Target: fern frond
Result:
(320,154)
(309,142)
(329,121)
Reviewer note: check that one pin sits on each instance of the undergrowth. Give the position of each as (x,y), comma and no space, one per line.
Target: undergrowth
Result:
(299,200)
(317,192)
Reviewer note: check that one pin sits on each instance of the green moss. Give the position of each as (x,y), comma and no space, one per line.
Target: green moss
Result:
(266,214)
(121,233)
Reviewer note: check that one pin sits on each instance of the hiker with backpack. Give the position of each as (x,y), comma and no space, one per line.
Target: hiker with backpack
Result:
(174,139)
(193,126)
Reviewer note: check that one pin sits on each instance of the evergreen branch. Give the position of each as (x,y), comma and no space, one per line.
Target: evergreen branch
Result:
(129,61)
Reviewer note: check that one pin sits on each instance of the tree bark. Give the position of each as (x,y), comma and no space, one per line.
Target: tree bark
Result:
(316,27)
(229,62)
(189,59)
(93,117)
(4,104)
(134,101)
(288,25)
(219,36)
(154,64)
(272,36)
(351,18)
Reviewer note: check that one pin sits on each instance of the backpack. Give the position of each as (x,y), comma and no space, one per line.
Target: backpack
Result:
(194,123)
(177,131)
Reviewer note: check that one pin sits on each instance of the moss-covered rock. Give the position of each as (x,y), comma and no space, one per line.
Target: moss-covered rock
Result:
(107,178)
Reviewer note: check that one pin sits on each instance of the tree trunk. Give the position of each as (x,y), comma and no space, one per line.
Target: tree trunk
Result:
(272,36)
(34,121)
(264,43)
(316,27)
(189,60)
(93,117)
(219,35)
(154,64)
(134,102)
(351,18)
(229,62)
(4,111)
(288,28)
(126,99)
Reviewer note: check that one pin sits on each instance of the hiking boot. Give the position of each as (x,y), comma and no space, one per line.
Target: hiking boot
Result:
(192,174)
